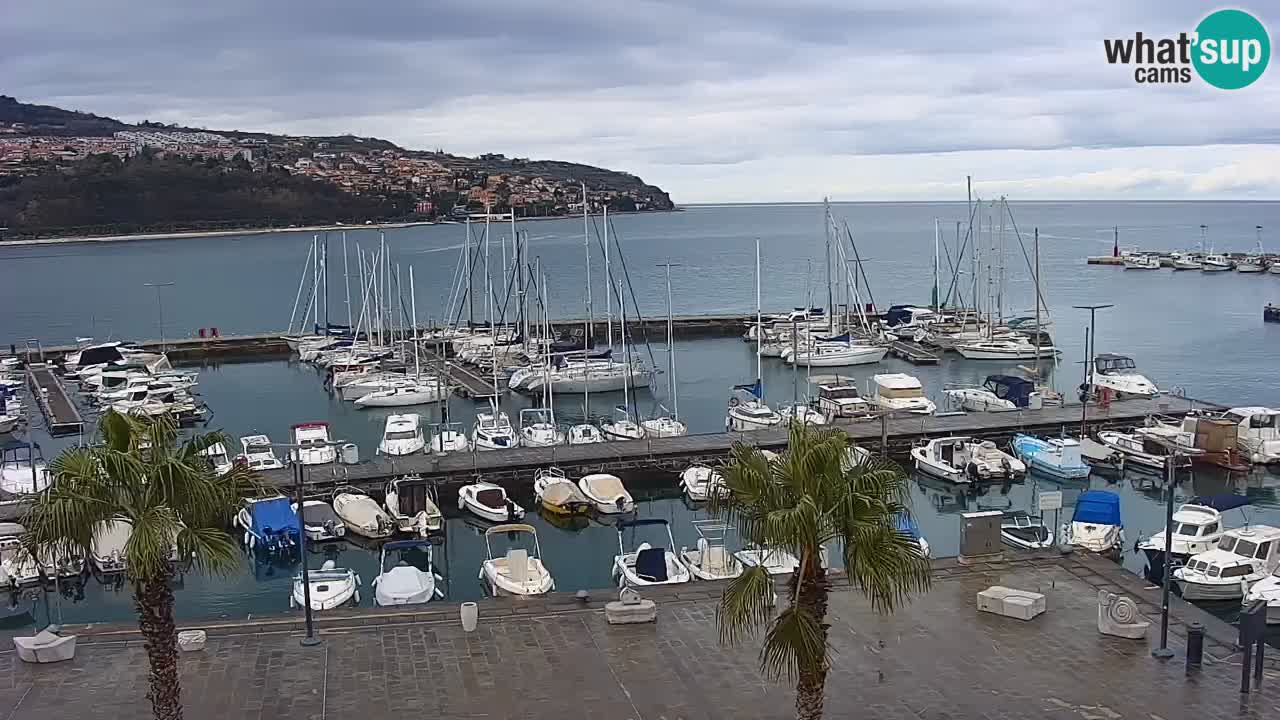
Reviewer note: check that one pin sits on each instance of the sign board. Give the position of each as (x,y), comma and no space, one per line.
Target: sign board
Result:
(1050,500)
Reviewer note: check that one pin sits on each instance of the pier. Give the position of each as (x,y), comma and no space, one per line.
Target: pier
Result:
(61,416)
(913,352)
(466,381)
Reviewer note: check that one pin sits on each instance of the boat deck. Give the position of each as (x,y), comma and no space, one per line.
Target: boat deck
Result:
(912,352)
(61,415)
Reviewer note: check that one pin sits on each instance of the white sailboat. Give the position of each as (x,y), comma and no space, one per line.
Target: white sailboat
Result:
(538,428)
(668,425)
(747,409)
(621,426)
(449,438)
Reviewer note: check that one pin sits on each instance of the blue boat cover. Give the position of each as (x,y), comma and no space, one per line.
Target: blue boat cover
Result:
(1221,503)
(1012,388)
(897,315)
(906,525)
(651,564)
(273,514)
(754,388)
(1098,507)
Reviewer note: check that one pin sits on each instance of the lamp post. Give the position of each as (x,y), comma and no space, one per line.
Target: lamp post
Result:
(1171,467)
(160,306)
(1089,362)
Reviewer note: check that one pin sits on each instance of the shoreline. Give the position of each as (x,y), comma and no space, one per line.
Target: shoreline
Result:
(196,234)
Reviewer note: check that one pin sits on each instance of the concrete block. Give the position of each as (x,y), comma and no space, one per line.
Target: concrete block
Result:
(630,608)
(45,647)
(1009,602)
(191,640)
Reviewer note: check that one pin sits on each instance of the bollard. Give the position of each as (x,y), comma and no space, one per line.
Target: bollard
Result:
(1195,646)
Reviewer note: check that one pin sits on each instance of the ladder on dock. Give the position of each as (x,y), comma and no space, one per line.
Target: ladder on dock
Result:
(913,352)
(61,416)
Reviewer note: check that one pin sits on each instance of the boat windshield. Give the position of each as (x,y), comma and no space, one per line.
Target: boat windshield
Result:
(402,435)
(1117,363)
(901,393)
(839,393)
(1227,543)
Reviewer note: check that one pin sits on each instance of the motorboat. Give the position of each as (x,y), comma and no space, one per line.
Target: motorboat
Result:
(1096,525)
(1251,264)
(1137,451)
(219,458)
(319,521)
(840,399)
(22,470)
(710,559)
(1119,375)
(1197,527)
(361,514)
(622,427)
(418,391)
(538,428)
(270,524)
(330,587)
(17,567)
(647,564)
(107,549)
(1100,458)
(1215,262)
(1185,261)
(493,431)
(1024,531)
(664,426)
(966,459)
(402,435)
(1141,261)
(449,438)
(558,494)
(1055,457)
(700,482)
(1205,438)
(313,439)
(257,453)
(1268,590)
(899,392)
(8,423)
(906,525)
(1243,556)
(585,434)
(489,502)
(801,413)
(1018,348)
(750,415)
(998,393)
(412,506)
(776,561)
(606,493)
(518,572)
(405,583)
(1257,433)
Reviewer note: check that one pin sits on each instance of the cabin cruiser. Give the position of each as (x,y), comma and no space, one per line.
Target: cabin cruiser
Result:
(449,438)
(1244,556)
(330,587)
(1186,261)
(313,437)
(405,494)
(1119,374)
(402,435)
(1025,531)
(489,502)
(710,559)
(1055,457)
(840,399)
(518,572)
(1214,262)
(700,482)
(405,583)
(319,521)
(1197,527)
(257,453)
(607,493)
(1257,433)
(1017,348)
(1096,525)
(493,431)
(361,514)
(622,427)
(538,428)
(22,471)
(647,564)
(998,393)
(270,524)
(966,459)
(899,392)
(1141,261)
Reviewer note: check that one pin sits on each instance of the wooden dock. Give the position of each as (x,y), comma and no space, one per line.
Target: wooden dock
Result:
(61,416)
(913,352)
(466,380)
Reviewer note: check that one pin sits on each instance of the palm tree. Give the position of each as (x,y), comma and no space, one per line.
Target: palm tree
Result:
(813,494)
(170,494)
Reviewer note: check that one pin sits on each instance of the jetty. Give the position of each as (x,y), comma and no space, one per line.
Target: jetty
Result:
(913,352)
(61,416)
(466,381)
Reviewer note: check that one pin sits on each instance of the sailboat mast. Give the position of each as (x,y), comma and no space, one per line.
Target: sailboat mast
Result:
(346,276)
(1004,207)
(760,321)
(626,355)
(671,351)
(302,281)
(1036,251)
(936,290)
(608,274)
(488,278)
(413,304)
(315,282)
(826,221)
(471,297)
(586,246)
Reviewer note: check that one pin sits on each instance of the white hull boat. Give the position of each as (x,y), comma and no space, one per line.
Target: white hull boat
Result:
(403,583)
(1005,350)
(518,572)
(1118,374)
(418,393)
(664,427)
(1244,556)
(774,560)
(493,431)
(423,522)
(1096,524)
(449,439)
(648,565)
(402,435)
(257,455)
(607,493)
(558,494)
(319,521)
(362,515)
(585,434)
(750,416)
(314,439)
(835,355)
(331,587)
(1132,447)
(488,502)
(1024,531)
(802,414)
(700,482)
(899,392)
(710,559)
(106,551)
(1267,589)
(964,459)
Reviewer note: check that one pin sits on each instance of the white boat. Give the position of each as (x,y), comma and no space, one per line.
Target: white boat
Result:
(1141,262)
(700,482)
(1274,268)
(1024,531)
(834,354)
(493,431)
(1197,527)
(319,521)
(648,565)
(8,423)
(711,559)
(1055,457)
(402,435)
(801,413)
(1096,525)
(585,434)
(1011,349)
(774,560)
(1214,262)
(899,392)
(405,494)
(538,428)
(355,387)
(361,514)
(1257,433)
(1244,556)
(622,427)
(107,549)
(965,459)
(405,583)
(1186,261)
(558,494)
(17,567)
(517,572)
(1251,264)
(331,587)
(1120,375)
(664,426)
(998,393)
(256,453)
(1135,450)
(489,502)
(839,398)
(607,493)
(449,438)
(22,470)
(1268,590)
(750,415)
(314,439)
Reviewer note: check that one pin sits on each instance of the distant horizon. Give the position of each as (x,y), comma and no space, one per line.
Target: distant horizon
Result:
(1126,201)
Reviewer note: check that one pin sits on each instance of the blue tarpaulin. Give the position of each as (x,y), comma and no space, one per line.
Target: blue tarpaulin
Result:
(906,525)
(1098,507)
(1221,503)
(273,516)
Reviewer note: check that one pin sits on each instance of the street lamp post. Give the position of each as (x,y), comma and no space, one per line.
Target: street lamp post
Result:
(1171,467)
(160,306)
(1089,362)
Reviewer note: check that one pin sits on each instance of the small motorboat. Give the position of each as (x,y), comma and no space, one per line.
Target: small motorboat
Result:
(493,431)
(319,521)
(1024,530)
(1119,375)
(775,560)
(1197,527)
(558,494)
(748,412)
(648,565)
(1055,457)
(998,393)
(17,567)
(361,514)
(517,572)
(966,459)
(270,524)
(801,413)
(412,505)
(313,437)
(700,482)
(218,457)
(1214,262)
(106,551)
(402,435)
(1267,589)
(899,392)
(905,524)
(449,438)
(1137,451)
(1244,556)
(1096,525)
(489,502)
(22,469)
(838,397)
(331,587)
(607,493)
(1141,261)
(257,453)
(406,583)
(1100,458)
(711,559)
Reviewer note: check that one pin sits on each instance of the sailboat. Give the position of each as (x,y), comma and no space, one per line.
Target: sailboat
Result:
(668,425)
(418,390)
(747,408)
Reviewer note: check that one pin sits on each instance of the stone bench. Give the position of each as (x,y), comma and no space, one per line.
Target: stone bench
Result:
(1009,602)
(45,647)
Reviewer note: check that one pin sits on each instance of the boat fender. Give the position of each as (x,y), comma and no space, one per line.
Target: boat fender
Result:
(971,470)
(511,509)
(1084,392)
(462,501)
(620,502)
(734,402)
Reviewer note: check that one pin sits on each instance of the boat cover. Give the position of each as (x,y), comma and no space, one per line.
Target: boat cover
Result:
(492,498)
(273,515)
(319,514)
(604,486)
(563,493)
(1012,388)
(1221,503)
(1098,507)
(906,525)
(651,564)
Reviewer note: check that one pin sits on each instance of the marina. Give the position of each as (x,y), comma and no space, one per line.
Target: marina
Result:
(61,415)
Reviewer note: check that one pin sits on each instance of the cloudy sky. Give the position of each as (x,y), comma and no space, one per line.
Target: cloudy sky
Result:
(714,100)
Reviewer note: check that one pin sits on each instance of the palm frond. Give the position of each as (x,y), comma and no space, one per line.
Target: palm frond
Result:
(795,642)
(211,550)
(745,605)
(885,564)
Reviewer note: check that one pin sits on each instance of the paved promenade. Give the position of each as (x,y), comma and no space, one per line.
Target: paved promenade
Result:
(939,658)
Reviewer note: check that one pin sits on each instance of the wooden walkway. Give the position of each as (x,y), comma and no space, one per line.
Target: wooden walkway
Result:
(898,434)
(914,353)
(466,381)
(61,416)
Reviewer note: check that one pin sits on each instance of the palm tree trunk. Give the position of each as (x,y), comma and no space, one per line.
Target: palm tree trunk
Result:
(154,602)
(812,682)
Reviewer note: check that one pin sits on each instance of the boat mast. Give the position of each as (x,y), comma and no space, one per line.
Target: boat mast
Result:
(608,273)
(826,221)
(759,320)
(413,304)
(626,355)
(346,277)
(936,290)
(315,282)
(298,297)
(671,351)
(1004,206)
(471,298)
(1036,250)
(488,278)
(588,328)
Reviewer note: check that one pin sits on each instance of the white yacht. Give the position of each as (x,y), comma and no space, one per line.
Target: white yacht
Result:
(834,354)
(402,435)
(419,391)
(648,564)
(489,502)
(1197,527)
(998,393)
(538,428)
(1257,433)
(1096,524)
(1186,261)
(257,454)
(899,392)
(22,470)
(774,560)
(1119,374)
(966,459)
(314,439)
(521,570)
(1244,556)
(622,427)
(493,431)
(1010,349)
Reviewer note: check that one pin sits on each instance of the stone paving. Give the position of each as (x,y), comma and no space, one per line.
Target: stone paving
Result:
(937,659)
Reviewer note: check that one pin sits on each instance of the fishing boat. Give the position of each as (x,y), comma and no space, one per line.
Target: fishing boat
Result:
(257,455)
(411,503)
(700,482)
(449,438)
(1214,262)
(1024,531)
(361,514)
(1197,527)
(1119,374)
(270,524)
(899,392)
(775,561)
(1257,433)
(607,493)
(1243,557)
(518,572)
(998,393)
(1055,457)
(1141,261)
(966,459)
(313,437)
(648,564)
(493,431)
(405,583)
(622,427)
(330,587)
(906,525)
(558,494)
(402,435)
(710,559)
(1096,525)
(1186,261)
(319,521)
(489,502)
(538,428)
